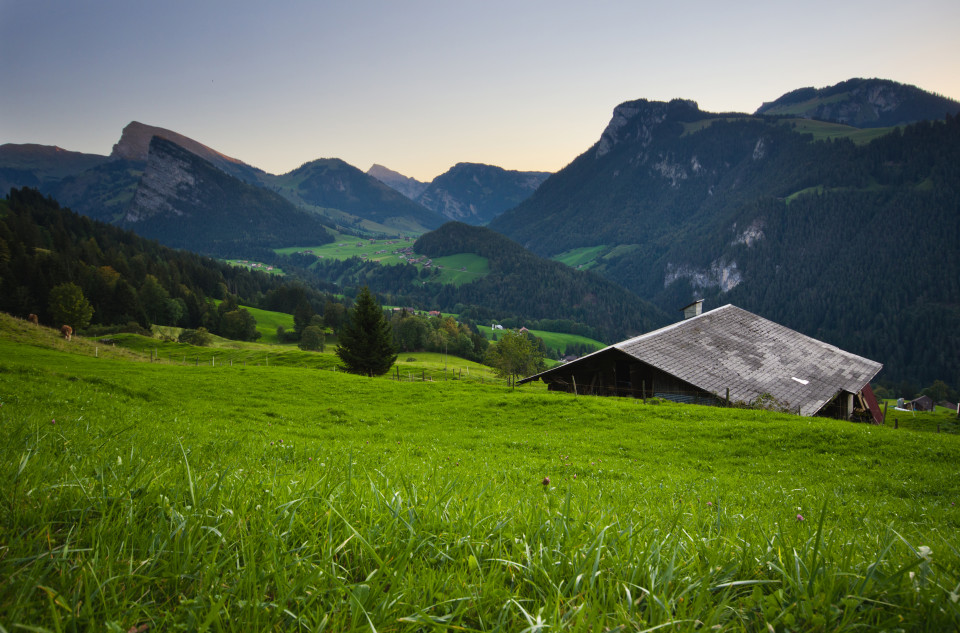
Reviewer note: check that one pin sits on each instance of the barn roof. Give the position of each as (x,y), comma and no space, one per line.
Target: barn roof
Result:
(730,348)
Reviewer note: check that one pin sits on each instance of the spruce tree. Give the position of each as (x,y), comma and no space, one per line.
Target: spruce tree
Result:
(366,341)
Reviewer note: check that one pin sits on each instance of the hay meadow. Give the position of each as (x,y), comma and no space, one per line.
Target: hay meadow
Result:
(162,496)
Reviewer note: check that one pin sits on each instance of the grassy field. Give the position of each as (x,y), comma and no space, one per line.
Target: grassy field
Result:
(589,256)
(940,420)
(583,258)
(347,246)
(553,340)
(141,496)
(454,269)
(254,265)
(822,130)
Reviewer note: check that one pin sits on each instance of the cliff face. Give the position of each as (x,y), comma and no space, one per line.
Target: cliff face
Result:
(168,179)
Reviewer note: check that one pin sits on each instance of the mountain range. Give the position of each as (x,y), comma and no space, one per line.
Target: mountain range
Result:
(338,195)
(472,193)
(835,211)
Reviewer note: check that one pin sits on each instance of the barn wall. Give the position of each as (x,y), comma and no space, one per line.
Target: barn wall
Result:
(619,374)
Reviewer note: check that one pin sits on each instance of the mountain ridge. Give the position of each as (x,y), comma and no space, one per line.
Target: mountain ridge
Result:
(864,103)
(185,201)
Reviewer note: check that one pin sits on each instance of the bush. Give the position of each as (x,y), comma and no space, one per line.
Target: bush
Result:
(199,337)
(132,327)
(312,339)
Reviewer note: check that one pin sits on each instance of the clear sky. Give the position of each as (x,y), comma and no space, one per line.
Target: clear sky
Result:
(421,85)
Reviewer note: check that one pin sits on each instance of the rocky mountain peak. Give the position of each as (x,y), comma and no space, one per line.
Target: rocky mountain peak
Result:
(409,187)
(634,121)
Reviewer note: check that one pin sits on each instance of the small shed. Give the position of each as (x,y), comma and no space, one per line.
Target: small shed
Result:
(923,403)
(727,355)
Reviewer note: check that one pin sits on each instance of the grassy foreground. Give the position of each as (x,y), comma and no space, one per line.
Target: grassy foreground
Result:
(141,496)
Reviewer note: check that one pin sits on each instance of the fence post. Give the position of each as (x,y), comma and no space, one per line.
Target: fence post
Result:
(728,398)
(643,391)
(884,420)
(574,378)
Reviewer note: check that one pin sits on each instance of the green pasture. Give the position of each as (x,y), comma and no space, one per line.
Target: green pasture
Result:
(141,496)
(268,322)
(939,420)
(690,127)
(454,269)
(261,267)
(553,340)
(823,130)
(461,268)
(347,246)
(585,257)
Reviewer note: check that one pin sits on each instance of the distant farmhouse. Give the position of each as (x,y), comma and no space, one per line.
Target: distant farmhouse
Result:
(727,355)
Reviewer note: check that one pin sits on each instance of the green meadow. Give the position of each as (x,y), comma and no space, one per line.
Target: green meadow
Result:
(159,496)
(346,246)
(454,269)
(552,340)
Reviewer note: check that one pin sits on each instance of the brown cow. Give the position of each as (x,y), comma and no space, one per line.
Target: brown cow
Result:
(33,319)
(66,331)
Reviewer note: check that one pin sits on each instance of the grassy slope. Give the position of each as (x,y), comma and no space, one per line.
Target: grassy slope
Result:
(553,340)
(823,130)
(346,246)
(139,494)
(585,257)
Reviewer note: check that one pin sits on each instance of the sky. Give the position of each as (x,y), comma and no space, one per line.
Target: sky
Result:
(421,85)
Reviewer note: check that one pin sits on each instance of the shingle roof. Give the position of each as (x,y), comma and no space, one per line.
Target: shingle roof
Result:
(730,348)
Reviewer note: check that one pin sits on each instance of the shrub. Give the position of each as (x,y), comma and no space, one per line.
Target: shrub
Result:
(199,337)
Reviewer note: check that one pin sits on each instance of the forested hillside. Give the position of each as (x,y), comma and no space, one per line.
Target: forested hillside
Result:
(853,244)
(125,278)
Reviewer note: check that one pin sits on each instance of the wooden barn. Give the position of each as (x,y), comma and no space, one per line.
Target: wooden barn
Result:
(727,355)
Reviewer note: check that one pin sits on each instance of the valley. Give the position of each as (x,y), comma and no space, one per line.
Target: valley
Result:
(445,317)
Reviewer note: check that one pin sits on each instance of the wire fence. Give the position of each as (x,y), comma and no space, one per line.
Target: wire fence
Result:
(224,357)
